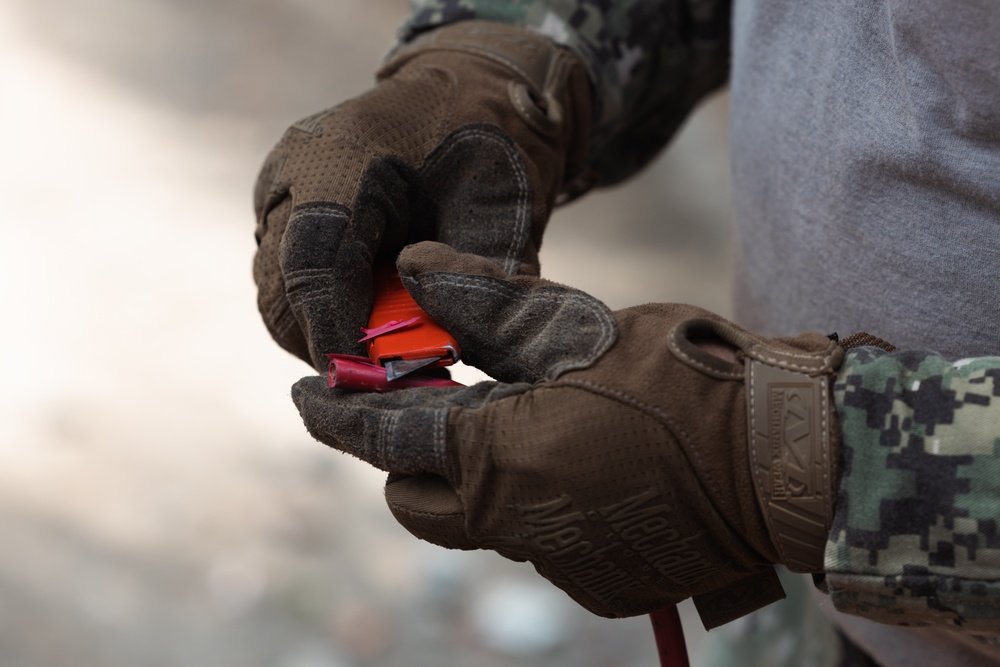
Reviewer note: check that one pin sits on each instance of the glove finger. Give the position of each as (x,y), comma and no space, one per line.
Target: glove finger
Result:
(428,507)
(400,431)
(333,234)
(326,265)
(271,299)
(514,328)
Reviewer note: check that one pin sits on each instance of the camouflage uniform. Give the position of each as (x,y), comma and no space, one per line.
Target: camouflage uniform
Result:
(915,539)
(651,62)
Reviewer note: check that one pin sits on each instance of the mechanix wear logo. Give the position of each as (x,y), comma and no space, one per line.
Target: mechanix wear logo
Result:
(641,547)
(555,543)
(790,426)
(643,523)
(789,453)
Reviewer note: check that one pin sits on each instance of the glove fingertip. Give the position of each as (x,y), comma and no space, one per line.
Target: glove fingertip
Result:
(429,508)
(433,257)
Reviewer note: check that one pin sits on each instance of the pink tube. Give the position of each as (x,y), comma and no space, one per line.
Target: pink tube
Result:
(360,374)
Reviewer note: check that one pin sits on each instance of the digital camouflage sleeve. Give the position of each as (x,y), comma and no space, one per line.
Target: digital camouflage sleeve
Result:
(915,539)
(650,61)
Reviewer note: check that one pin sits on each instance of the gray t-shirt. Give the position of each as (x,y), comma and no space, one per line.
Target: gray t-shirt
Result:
(866,158)
(866,151)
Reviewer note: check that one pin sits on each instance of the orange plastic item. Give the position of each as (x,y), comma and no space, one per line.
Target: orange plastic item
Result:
(423,339)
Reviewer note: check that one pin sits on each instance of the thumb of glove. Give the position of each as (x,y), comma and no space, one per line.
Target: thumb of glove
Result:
(430,508)
(514,328)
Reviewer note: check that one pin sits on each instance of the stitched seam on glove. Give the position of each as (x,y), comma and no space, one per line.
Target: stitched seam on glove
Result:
(827,359)
(280,316)
(714,372)
(426,515)
(440,438)
(386,430)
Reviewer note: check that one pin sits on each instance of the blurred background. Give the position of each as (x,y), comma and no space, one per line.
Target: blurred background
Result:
(160,502)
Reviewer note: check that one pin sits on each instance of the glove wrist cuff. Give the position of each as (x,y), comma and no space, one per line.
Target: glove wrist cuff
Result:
(532,58)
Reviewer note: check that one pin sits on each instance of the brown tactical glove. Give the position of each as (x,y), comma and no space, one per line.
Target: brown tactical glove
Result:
(471,133)
(633,468)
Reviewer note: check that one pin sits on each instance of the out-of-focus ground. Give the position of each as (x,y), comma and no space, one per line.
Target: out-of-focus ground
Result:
(160,502)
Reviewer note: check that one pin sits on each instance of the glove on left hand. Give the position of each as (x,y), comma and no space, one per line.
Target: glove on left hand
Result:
(613,452)
(471,133)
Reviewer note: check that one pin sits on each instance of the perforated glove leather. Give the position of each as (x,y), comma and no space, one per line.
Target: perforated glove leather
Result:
(630,466)
(471,133)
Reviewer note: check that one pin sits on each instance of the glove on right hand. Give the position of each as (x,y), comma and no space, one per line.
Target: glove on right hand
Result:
(614,452)
(471,133)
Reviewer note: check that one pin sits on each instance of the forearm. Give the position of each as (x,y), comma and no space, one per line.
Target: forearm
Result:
(914,539)
(649,61)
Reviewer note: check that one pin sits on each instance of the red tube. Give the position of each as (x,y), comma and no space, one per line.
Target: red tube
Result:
(669,636)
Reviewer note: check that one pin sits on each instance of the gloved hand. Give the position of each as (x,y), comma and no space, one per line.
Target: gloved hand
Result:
(614,452)
(471,133)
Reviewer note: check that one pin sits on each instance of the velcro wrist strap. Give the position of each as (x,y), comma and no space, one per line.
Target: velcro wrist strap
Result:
(792,463)
(747,595)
